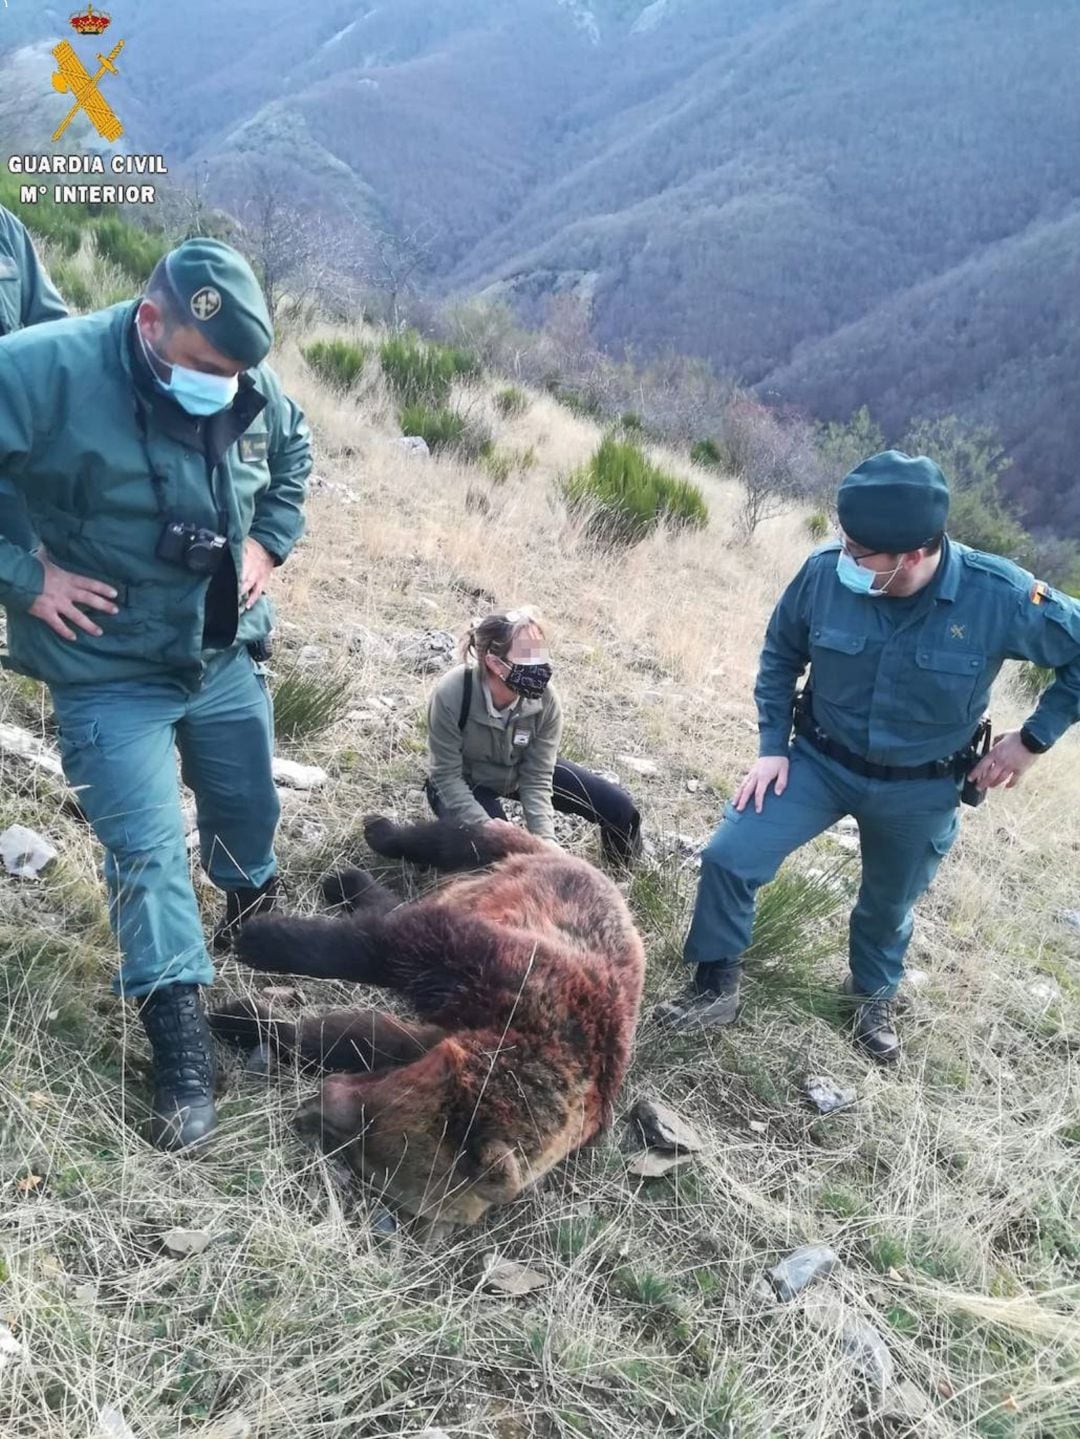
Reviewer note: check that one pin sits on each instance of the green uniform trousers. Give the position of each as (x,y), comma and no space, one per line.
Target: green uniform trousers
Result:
(118,744)
(906,827)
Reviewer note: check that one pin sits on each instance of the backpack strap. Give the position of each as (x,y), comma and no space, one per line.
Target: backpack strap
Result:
(466,699)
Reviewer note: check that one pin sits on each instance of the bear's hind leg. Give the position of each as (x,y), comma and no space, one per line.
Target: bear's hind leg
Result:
(441,845)
(351,890)
(360,1040)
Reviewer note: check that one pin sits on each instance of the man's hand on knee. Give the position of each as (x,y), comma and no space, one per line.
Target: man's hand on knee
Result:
(769,770)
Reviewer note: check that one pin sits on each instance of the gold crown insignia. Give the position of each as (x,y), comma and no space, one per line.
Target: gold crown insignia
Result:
(90,22)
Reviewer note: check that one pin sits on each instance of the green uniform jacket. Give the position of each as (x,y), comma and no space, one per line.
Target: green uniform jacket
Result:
(27,295)
(100,466)
(907,686)
(515,757)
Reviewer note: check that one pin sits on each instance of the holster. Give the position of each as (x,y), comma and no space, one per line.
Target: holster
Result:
(970,793)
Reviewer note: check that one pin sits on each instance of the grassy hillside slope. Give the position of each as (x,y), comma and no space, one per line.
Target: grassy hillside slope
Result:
(949,1191)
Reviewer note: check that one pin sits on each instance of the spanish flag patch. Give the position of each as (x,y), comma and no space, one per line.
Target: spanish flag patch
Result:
(1040,591)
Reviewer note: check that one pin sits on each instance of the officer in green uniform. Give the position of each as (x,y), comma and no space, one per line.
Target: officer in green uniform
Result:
(27,297)
(165,472)
(905,632)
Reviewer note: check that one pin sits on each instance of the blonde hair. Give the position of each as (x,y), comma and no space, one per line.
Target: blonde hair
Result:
(494,634)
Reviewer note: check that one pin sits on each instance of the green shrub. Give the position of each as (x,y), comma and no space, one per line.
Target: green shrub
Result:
(446,429)
(511,402)
(338,363)
(421,373)
(626,495)
(130,249)
(631,422)
(308,701)
(817,526)
(843,447)
(581,403)
(708,454)
(73,286)
(501,464)
(442,428)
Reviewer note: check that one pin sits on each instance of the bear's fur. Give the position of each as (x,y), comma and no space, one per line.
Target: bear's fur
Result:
(527,979)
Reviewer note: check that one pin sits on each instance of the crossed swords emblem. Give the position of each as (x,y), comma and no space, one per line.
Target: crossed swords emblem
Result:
(73,77)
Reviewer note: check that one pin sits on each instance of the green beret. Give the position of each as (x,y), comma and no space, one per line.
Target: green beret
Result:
(893,502)
(218,294)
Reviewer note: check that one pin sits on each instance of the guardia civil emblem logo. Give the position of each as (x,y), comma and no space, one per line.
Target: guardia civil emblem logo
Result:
(73,78)
(205,303)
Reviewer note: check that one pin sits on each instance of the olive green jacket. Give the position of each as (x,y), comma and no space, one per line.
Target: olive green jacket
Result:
(512,758)
(101,460)
(27,295)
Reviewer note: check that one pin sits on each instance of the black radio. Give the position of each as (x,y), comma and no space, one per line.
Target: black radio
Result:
(197,549)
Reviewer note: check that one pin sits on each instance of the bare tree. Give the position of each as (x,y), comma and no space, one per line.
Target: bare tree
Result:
(304,260)
(774,459)
(396,260)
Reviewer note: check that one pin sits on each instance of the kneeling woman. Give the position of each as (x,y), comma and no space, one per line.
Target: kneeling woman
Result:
(494,724)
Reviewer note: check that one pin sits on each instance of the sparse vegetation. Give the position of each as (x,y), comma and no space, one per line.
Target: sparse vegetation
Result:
(308,699)
(511,402)
(950,1190)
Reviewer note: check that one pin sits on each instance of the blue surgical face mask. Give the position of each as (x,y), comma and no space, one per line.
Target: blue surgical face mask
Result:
(193,391)
(859,580)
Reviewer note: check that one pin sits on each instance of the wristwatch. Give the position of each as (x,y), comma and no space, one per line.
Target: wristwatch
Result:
(1030,743)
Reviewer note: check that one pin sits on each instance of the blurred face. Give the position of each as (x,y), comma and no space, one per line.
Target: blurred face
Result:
(528,648)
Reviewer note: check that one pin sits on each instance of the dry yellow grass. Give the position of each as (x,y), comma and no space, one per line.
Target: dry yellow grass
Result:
(950,1192)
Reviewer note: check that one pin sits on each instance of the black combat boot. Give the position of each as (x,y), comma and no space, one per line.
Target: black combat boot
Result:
(873,1026)
(710,1002)
(240,905)
(183,1109)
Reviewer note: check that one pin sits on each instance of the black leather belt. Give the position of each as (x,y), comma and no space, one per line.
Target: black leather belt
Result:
(953,766)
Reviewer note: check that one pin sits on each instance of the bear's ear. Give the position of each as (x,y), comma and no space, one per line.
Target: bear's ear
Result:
(497,1175)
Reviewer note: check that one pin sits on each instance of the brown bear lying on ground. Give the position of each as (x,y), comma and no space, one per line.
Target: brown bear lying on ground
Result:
(527,977)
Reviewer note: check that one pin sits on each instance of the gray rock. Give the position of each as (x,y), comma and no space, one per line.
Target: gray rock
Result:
(801,1267)
(414,445)
(25,852)
(384,1223)
(860,1341)
(1071,917)
(259,1060)
(826,1095)
(311,655)
(366,642)
(427,652)
(638,764)
(1046,991)
(661,1128)
(20,744)
(298,776)
(185,1243)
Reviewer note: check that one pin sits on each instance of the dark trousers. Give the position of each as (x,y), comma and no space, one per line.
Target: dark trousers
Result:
(576,791)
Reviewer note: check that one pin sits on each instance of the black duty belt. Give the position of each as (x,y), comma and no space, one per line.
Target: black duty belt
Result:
(955,765)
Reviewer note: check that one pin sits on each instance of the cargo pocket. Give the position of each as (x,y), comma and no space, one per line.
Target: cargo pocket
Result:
(80,756)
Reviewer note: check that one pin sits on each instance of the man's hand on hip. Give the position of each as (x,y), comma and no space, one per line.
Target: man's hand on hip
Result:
(1009,759)
(258,567)
(57,605)
(769,770)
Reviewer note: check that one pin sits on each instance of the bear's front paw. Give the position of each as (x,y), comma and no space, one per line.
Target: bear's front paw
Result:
(382,836)
(270,943)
